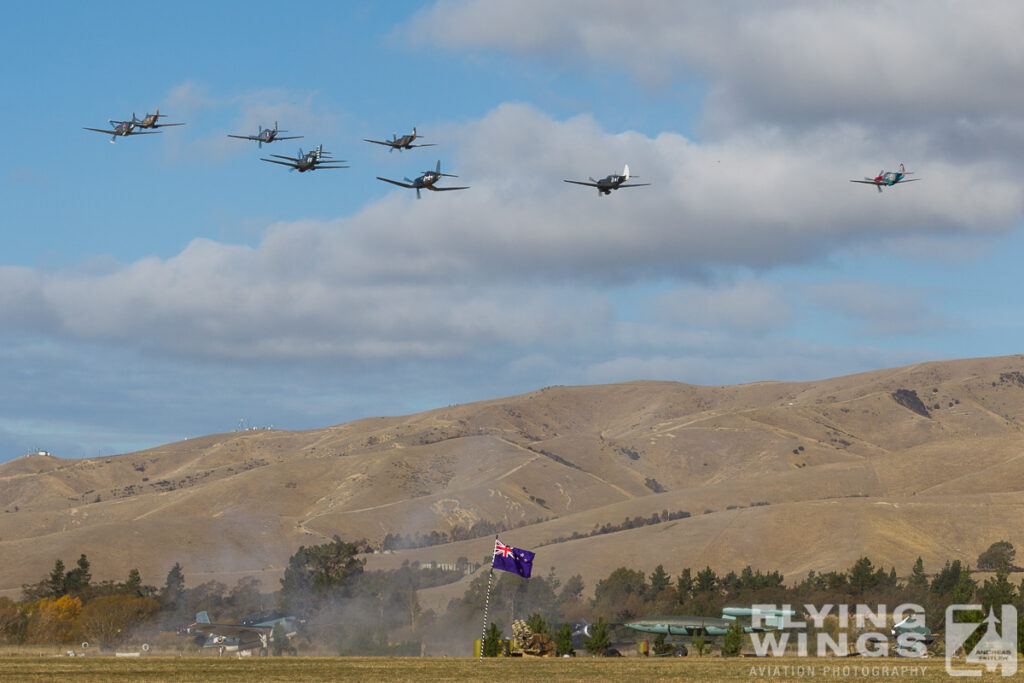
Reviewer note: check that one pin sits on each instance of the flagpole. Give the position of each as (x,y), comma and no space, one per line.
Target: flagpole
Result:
(487,602)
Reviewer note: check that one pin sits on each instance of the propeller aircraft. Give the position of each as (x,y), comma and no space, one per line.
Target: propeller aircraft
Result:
(122,129)
(267,135)
(426,181)
(608,183)
(888,178)
(255,632)
(400,143)
(150,120)
(310,161)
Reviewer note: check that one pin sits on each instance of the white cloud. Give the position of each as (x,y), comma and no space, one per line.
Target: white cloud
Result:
(879,310)
(444,276)
(746,307)
(789,62)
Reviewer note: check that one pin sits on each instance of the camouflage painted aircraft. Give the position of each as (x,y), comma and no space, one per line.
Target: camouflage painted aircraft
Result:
(888,178)
(248,634)
(608,183)
(150,120)
(712,627)
(267,135)
(426,181)
(400,143)
(310,161)
(122,129)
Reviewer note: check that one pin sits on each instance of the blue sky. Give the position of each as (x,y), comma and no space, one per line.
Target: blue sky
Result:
(170,285)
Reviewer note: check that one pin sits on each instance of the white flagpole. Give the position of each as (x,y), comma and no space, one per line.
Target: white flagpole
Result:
(487,602)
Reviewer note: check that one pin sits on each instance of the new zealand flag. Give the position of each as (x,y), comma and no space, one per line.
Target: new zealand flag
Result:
(509,559)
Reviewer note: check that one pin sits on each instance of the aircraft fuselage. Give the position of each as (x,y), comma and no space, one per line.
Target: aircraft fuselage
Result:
(889,178)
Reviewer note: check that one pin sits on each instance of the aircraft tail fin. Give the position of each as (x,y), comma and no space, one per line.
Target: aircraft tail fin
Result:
(202,617)
(625,171)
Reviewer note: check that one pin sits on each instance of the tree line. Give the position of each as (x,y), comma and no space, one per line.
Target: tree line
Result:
(348,610)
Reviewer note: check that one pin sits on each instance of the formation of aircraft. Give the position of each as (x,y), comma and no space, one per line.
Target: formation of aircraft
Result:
(400,143)
(610,182)
(317,159)
(267,135)
(251,633)
(888,178)
(310,161)
(151,120)
(426,181)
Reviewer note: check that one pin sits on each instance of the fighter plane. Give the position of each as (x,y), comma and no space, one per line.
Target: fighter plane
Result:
(123,129)
(267,135)
(310,161)
(608,183)
(249,633)
(150,120)
(404,142)
(426,181)
(888,178)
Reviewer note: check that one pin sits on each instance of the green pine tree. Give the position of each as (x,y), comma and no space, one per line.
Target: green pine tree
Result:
(600,638)
(492,641)
(563,640)
(733,642)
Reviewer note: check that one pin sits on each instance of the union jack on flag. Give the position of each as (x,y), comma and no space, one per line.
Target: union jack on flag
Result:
(515,560)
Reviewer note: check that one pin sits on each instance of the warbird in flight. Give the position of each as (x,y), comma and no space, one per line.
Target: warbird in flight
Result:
(122,129)
(426,181)
(150,120)
(404,142)
(888,178)
(310,161)
(267,135)
(608,183)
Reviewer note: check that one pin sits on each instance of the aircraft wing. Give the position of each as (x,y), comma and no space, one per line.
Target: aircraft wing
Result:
(445,189)
(283,163)
(244,137)
(580,182)
(162,125)
(866,182)
(908,180)
(231,630)
(281,156)
(395,182)
(426,144)
(378,142)
(290,137)
(635,185)
(110,132)
(248,636)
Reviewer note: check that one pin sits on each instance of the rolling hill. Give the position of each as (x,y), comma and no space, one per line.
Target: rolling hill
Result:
(925,460)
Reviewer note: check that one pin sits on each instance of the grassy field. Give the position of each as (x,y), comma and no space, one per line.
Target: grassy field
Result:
(97,668)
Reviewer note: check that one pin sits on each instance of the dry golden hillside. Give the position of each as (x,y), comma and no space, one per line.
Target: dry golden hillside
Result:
(924,460)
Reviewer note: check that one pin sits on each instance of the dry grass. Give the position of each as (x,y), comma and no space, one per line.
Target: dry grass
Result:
(88,669)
